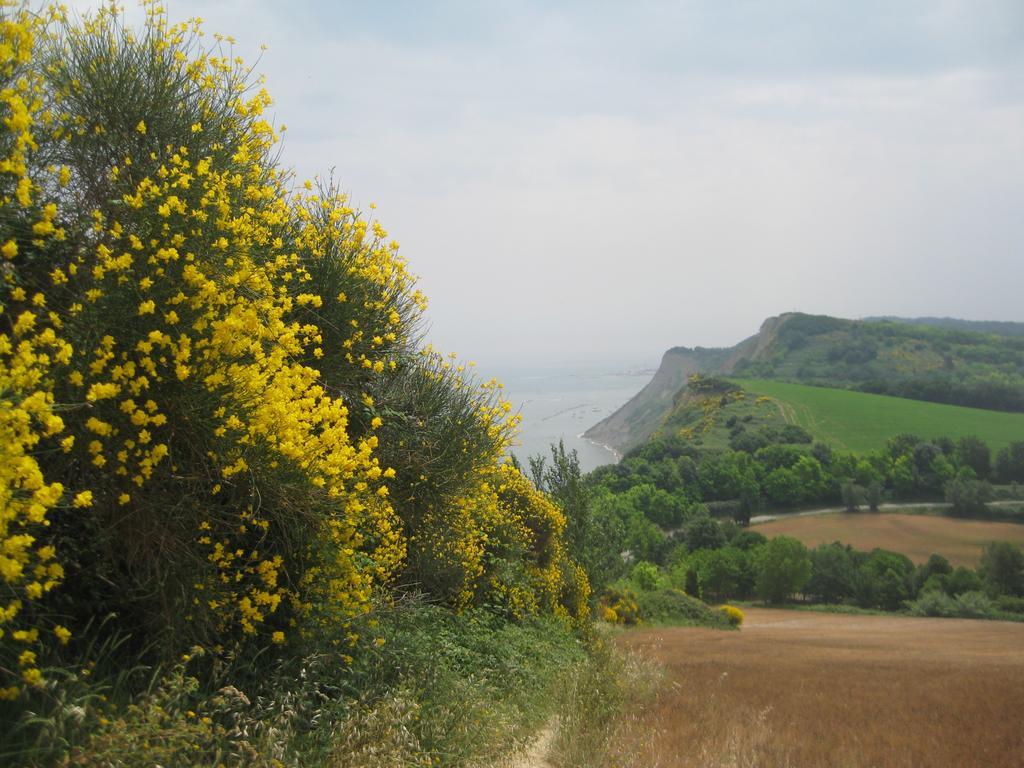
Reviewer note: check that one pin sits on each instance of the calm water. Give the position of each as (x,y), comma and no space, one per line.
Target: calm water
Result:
(563,403)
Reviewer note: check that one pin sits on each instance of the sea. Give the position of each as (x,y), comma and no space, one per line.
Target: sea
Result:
(561,403)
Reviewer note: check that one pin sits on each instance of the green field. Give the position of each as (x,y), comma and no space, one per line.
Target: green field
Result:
(857,421)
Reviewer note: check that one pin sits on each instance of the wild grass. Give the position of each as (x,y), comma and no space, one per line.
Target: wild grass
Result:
(438,689)
(803,689)
(858,421)
(601,702)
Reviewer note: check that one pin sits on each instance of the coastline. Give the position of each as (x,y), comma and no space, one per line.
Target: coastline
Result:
(615,454)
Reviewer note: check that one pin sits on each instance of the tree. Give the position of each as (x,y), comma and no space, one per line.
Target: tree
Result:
(833,573)
(884,579)
(722,571)
(875,494)
(704,532)
(692,587)
(783,487)
(853,496)
(968,497)
(971,451)
(1002,568)
(937,565)
(962,580)
(1010,463)
(783,568)
(646,576)
(562,480)
(748,540)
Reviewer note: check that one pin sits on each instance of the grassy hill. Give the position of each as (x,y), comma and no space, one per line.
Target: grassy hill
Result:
(974,365)
(859,421)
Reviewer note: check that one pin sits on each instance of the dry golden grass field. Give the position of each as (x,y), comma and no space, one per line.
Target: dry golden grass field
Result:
(824,690)
(916,536)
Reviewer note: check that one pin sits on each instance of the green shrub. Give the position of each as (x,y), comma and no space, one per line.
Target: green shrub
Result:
(646,576)
(968,605)
(675,608)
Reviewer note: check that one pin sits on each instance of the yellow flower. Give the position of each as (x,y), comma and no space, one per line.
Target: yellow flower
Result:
(141,127)
(83,499)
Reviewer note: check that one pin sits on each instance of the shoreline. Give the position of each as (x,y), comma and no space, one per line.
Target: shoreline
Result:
(617,456)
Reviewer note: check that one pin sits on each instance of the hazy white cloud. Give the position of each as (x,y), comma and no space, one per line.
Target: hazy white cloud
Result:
(590,181)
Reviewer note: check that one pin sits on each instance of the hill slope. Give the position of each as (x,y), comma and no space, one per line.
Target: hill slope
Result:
(860,421)
(926,362)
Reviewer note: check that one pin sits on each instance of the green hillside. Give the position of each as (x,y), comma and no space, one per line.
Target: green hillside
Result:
(932,360)
(859,421)
(920,362)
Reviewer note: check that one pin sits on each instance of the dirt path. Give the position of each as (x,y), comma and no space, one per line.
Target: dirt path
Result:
(795,688)
(535,755)
(884,508)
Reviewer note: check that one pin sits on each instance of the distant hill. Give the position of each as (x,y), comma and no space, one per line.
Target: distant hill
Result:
(996,327)
(937,360)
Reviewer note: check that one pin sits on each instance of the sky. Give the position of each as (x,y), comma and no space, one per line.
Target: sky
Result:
(582,183)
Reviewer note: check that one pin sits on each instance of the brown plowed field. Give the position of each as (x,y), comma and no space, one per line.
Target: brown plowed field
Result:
(801,689)
(916,536)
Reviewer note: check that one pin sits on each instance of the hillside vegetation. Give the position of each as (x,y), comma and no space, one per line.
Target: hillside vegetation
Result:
(858,421)
(950,363)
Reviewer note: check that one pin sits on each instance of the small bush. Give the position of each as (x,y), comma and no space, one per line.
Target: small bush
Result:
(646,576)
(673,607)
(969,605)
(734,614)
(1010,604)
(619,606)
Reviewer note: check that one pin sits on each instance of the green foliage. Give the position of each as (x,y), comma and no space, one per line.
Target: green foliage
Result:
(833,573)
(859,421)
(1002,568)
(968,497)
(1010,463)
(646,576)
(671,607)
(966,605)
(703,532)
(782,567)
(722,573)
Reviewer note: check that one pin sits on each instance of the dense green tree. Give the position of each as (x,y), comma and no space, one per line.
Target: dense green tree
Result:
(833,573)
(937,565)
(562,480)
(1010,463)
(723,573)
(961,580)
(782,487)
(1002,568)
(782,568)
(646,576)
(658,506)
(885,579)
(967,498)
(853,495)
(703,532)
(875,495)
(971,451)
(748,540)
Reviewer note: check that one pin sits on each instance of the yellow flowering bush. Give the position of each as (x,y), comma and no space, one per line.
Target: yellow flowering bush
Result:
(217,422)
(733,614)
